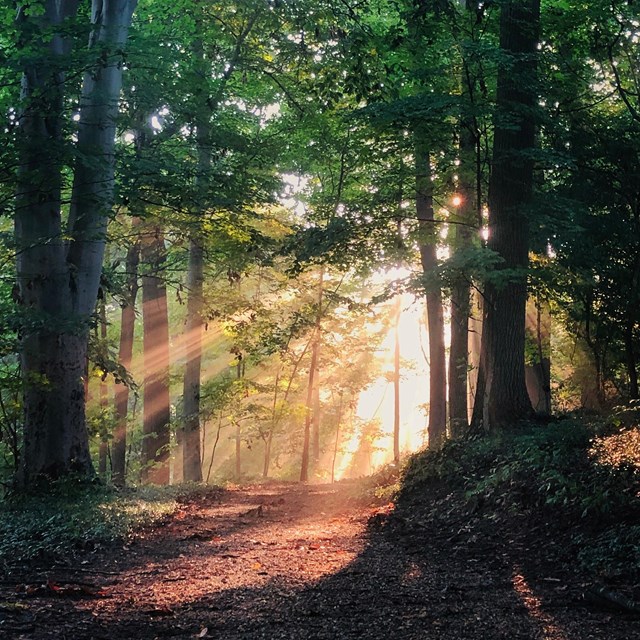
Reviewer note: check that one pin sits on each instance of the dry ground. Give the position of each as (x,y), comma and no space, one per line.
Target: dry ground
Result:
(293,561)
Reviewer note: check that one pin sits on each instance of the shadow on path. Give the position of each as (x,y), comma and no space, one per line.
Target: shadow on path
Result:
(304,562)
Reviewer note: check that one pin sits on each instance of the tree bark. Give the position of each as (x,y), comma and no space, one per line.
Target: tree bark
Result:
(93,182)
(504,397)
(538,369)
(127,329)
(315,413)
(306,441)
(269,440)
(337,440)
(466,217)
(156,400)
(103,452)
(57,282)
(459,359)
(435,317)
(192,456)
(313,368)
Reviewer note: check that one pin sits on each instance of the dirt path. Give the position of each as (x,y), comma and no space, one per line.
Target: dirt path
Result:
(288,561)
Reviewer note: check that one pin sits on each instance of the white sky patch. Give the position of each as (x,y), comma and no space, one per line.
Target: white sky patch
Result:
(295,185)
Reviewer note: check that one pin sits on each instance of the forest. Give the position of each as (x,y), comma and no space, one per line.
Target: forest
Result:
(384,248)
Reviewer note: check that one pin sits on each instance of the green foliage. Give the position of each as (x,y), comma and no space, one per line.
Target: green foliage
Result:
(56,523)
(564,472)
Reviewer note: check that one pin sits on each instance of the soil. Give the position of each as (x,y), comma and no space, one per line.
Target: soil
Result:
(315,561)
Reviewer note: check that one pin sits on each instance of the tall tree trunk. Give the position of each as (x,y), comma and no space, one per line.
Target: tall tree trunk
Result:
(239,376)
(632,366)
(538,369)
(156,400)
(459,349)
(238,452)
(396,382)
(435,317)
(467,215)
(313,369)
(59,282)
(103,452)
(215,445)
(192,465)
(475,343)
(269,440)
(306,441)
(629,330)
(315,412)
(127,328)
(337,440)
(504,398)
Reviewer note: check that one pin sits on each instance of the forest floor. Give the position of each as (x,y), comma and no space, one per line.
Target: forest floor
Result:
(312,561)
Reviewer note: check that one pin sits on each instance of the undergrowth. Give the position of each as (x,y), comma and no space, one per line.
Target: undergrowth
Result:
(69,517)
(583,479)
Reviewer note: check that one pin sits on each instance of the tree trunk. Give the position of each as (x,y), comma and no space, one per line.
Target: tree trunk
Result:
(127,328)
(304,467)
(103,452)
(629,331)
(396,384)
(538,369)
(632,367)
(467,216)
(475,343)
(239,376)
(269,441)
(337,441)
(93,182)
(459,349)
(192,468)
(504,398)
(313,369)
(435,317)
(215,444)
(315,412)
(192,465)
(156,400)
(59,283)
(238,452)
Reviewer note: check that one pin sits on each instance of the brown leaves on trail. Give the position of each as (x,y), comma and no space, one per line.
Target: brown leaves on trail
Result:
(65,589)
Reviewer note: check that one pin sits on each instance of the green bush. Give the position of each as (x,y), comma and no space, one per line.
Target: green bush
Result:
(585,477)
(70,517)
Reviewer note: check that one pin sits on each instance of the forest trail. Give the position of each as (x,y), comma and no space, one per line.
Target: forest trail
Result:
(305,561)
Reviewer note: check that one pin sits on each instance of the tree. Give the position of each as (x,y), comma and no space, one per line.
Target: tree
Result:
(311,416)
(502,397)
(156,398)
(435,313)
(127,328)
(58,271)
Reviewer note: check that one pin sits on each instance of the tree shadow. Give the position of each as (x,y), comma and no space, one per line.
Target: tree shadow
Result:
(411,579)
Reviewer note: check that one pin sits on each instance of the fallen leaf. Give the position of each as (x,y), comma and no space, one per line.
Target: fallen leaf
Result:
(203,632)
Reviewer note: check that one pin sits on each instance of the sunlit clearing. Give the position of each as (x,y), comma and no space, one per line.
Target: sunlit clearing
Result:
(372,436)
(533,605)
